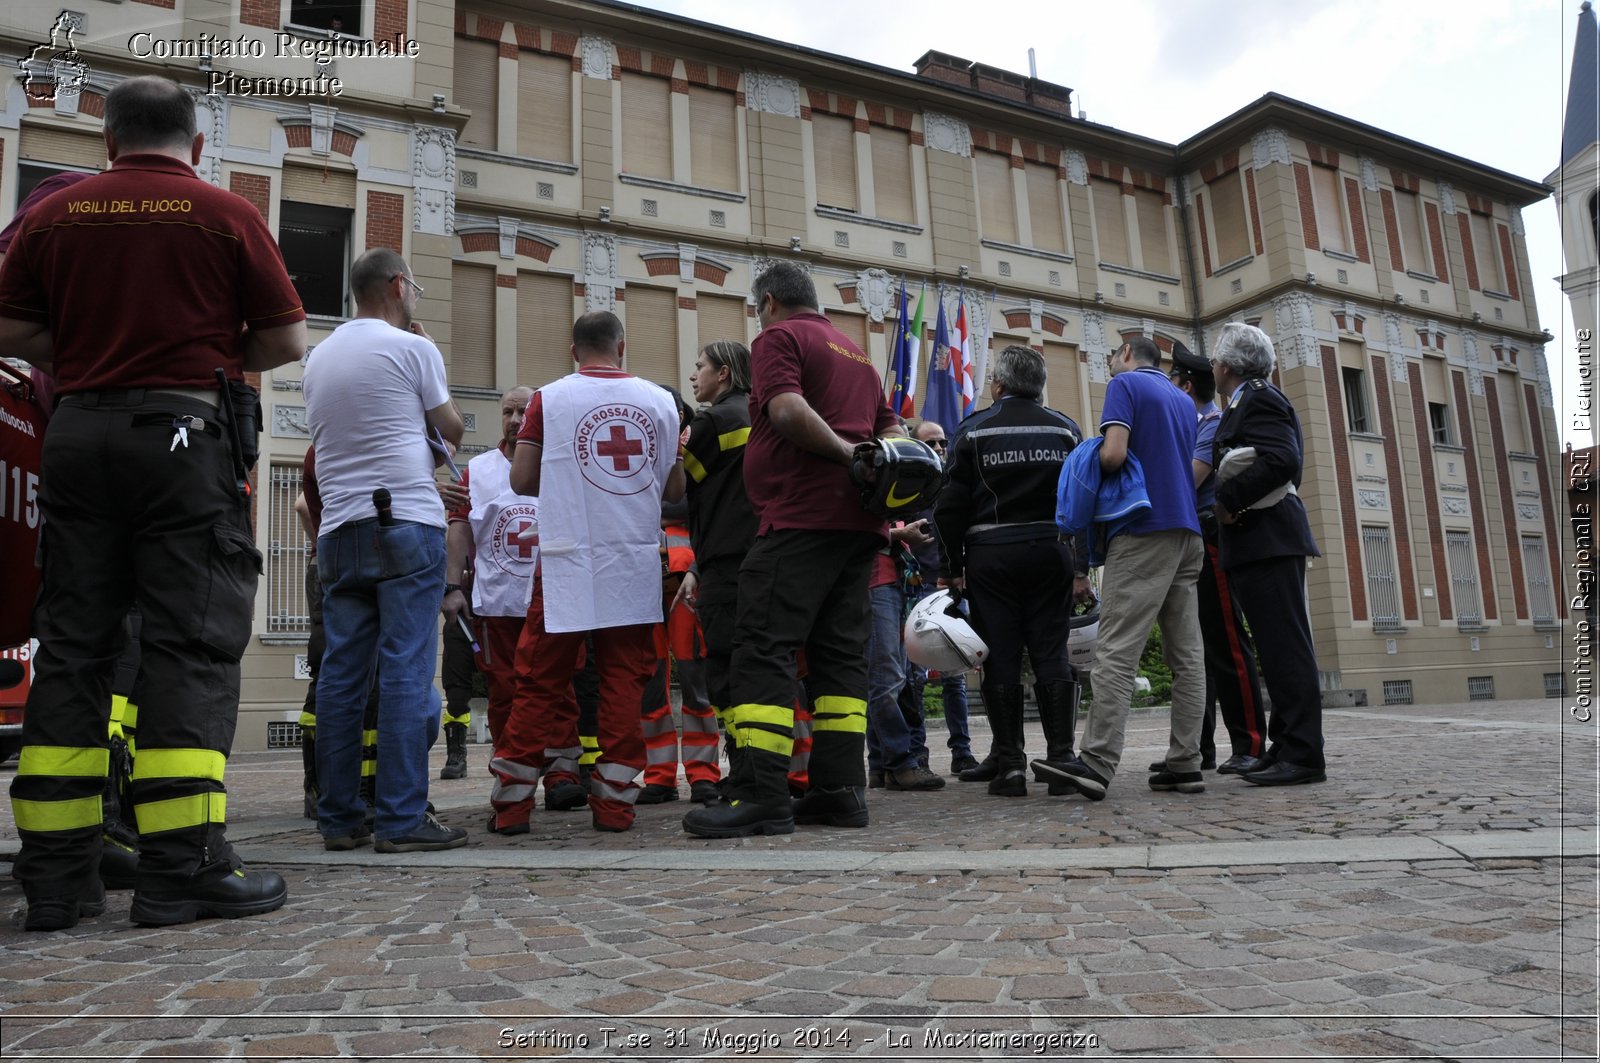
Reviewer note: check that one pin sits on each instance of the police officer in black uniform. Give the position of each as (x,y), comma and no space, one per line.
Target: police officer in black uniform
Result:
(1264,549)
(996,519)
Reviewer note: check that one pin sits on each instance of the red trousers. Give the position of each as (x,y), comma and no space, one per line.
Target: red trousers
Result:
(679,637)
(543,726)
(497,660)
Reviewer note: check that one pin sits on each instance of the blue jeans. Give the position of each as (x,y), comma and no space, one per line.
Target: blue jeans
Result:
(382,588)
(890,744)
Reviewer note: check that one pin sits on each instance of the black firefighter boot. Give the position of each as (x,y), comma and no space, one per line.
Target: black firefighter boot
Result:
(308,758)
(1005,722)
(1058,713)
(455,756)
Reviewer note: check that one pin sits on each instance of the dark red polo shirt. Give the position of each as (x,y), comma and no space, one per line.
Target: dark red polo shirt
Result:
(146,275)
(790,487)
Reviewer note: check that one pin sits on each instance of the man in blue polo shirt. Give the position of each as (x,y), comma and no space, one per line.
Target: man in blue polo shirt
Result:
(1150,574)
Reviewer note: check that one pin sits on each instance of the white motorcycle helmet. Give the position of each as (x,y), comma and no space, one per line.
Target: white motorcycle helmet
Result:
(1085,630)
(939,638)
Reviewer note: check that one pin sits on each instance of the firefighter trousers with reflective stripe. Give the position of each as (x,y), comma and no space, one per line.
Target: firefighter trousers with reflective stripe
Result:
(678,645)
(130,518)
(801,589)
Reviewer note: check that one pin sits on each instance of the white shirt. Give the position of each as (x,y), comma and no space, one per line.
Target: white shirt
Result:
(367,389)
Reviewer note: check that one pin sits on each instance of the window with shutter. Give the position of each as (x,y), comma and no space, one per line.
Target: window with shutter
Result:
(477,88)
(652,336)
(646,126)
(544,107)
(1413,237)
(1061,378)
(1326,195)
(1490,276)
(1044,207)
(891,174)
(1111,232)
(722,317)
(1508,393)
(834,157)
(1229,226)
(471,325)
(1151,211)
(997,201)
(544,328)
(853,326)
(713,139)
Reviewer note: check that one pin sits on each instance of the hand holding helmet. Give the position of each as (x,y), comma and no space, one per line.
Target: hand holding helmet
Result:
(897,476)
(939,638)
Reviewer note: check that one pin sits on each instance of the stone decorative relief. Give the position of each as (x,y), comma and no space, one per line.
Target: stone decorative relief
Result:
(1516,221)
(1296,338)
(1094,347)
(1369,174)
(978,320)
(598,57)
(433,176)
(1394,333)
(1036,315)
(210,118)
(1469,351)
(322,128)
(1269,146)
(1527,511)
(948,134)
(1077,167)
(508,237)
(1373,499)
(599,271)
(875,292)
(1447,197)
(686,256)
(772,94)
(1455,506)
(289,422)
(1541,374)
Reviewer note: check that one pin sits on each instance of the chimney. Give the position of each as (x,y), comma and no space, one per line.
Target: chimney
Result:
(995,82)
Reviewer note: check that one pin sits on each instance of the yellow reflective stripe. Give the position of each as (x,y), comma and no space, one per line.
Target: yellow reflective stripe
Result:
(178,813)
(180,764)
(778,715)
(308,719)
(692,466)
(119,708)
(834,713)
(591,749)
(369,738)
(75,814)
(130,716)
(733,440)
(464,719)
(58,761)
(757,738)
(369,768)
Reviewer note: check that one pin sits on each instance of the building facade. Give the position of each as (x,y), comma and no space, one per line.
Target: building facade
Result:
(538,159)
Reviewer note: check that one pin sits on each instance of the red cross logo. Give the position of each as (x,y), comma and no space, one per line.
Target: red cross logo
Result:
(518,545)
(619,448)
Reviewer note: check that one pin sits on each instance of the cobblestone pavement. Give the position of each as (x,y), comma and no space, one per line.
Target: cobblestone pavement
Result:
(1436,899)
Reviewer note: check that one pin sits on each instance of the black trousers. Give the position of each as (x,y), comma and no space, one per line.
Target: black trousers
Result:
(1021,595)
(1272,593)
(1231,677)
(131,518)
(455,673)
(801,589)
(718,609)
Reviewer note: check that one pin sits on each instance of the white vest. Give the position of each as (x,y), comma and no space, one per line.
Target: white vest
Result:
(505,537)
(609,444)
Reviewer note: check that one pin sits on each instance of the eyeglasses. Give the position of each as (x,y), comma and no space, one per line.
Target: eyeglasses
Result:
(938,444)
(409,281)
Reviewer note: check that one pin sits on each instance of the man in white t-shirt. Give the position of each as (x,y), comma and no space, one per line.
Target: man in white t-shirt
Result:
(599,449)
(373,391)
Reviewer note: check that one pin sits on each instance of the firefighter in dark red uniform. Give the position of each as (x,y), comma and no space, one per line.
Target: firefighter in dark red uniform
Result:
(133,287)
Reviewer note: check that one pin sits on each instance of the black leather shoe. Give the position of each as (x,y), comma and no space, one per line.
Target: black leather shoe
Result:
(1285,774)
(236,894)
(962,762)
(1241,764)
(836,806)
(63,913)
(1208,764)
(1082,778)
(985,771)
(119,864)
(1185,782)
(566,796)
(656,794)
(1013,783)
(519,827)
(705,793)
(739,819)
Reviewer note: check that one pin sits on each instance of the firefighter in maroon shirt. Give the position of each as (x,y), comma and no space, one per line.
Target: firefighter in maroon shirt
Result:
(813,397)
(133,287)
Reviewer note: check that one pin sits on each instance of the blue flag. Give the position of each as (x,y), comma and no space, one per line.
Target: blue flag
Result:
(900,358)
(942,402)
